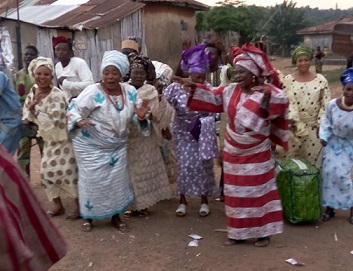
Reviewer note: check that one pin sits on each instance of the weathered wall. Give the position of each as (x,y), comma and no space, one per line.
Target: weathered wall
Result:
(28,36)
(133,26)
(163,31)
(91,45)
(321,40)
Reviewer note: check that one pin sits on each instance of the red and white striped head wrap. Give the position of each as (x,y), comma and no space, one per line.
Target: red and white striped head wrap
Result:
(254,60)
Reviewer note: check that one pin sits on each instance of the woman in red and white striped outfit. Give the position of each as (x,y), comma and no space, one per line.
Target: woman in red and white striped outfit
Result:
(257,114)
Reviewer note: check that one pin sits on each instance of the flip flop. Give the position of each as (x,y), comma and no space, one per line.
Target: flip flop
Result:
(52,214)
(232,242)
(86,227)
(121,226)
(204,210)
(136,213)
(262,241)
(181,211)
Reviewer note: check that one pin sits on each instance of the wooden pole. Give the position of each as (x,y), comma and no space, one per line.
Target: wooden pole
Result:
(18,38)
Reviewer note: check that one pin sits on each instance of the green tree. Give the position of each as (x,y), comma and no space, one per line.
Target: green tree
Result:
(259,20)
(286,21)
(230,16)
(201,23)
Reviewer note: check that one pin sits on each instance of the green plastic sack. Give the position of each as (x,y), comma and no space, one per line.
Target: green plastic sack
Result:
(299,186)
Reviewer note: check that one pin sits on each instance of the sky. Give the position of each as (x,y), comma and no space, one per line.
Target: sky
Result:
(321,4)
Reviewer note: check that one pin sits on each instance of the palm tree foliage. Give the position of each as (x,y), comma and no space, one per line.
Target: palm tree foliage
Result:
(286,21)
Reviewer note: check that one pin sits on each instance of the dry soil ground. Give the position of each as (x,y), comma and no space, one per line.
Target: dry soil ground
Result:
(159,242)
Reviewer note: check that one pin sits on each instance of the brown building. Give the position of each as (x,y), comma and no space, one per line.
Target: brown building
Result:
(321,35)
(101,25)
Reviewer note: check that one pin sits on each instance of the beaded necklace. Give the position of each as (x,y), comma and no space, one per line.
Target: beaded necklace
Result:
(114,99)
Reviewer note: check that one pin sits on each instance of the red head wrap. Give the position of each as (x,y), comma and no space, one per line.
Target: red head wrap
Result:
(257,60)
(57,40)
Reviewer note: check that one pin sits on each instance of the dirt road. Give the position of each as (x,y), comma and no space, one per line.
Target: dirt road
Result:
(160,241)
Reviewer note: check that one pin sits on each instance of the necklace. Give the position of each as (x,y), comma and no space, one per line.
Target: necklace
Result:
(114,99)
(343,102)
(117,102)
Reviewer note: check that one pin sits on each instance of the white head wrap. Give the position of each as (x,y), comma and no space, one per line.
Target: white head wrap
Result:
(40,61)
(116,59)
(163,72)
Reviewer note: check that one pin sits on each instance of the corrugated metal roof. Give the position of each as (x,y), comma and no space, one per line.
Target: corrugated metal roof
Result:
(42,13)
(325,28)
(9,6)
(95,14)
(185,3)
(91,15)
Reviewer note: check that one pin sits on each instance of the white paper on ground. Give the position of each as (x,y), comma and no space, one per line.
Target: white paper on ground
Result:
(193,243)
(292,261)
(195,236)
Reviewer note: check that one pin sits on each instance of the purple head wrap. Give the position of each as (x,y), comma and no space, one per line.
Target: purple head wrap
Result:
(347,77)
(195,59)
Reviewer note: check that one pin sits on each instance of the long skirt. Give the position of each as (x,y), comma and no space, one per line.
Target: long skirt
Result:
(104,186)
(252,202)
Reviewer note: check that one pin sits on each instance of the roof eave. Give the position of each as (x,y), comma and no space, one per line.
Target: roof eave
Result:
(200,7)
(314,32)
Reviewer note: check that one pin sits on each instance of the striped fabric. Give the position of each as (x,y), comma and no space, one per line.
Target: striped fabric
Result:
(29,241)
(253,206)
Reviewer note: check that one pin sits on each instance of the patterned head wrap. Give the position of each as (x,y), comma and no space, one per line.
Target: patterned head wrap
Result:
(140,61)
(195,59)
(246,61)
(163,72)
(40,61)
(116,59)
(301,51)
(255,61)
(347,77)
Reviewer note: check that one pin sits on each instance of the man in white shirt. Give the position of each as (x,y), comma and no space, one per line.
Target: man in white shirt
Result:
(72,73)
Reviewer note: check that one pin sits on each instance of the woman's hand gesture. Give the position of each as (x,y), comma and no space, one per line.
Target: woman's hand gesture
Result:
(262,89)
(84,123)
(142,110)
(31,107)
(189,86)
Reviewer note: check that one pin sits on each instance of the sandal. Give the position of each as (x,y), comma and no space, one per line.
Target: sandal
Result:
(181,211)
(232,242)
(121,226)
(204,210)
(329,213)
(220,198)
(262,241)
(129,214)
(86,227)
(56,213)
(136,213)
